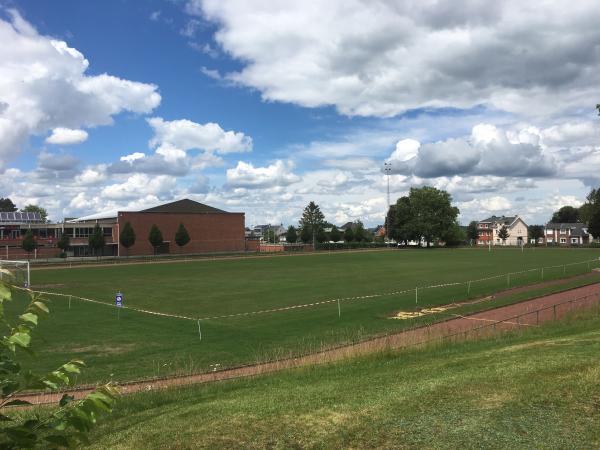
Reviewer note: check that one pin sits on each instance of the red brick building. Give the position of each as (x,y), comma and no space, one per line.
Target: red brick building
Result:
(210,229)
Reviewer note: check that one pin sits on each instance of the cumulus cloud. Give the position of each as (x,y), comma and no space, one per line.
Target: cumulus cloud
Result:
(139,185)
(91,176)
(383,58)
(66,136)
(187,135)
(171,142)
(245,175)
(488,151)
(44,87)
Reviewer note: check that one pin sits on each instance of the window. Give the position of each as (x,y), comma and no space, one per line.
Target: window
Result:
(574,241)
(107,232)
(549,231)
(83,232)
(563,240)
(563,231)
(550,241)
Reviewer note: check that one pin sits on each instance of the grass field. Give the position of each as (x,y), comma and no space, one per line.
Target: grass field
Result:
(538,389)
(136,345)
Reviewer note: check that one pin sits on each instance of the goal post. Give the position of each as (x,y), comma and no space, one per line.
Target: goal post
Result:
(17,272)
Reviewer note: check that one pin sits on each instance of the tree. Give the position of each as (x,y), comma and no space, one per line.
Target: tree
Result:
(454,235)
(594,225)
(472,231)
(63,243)
(503,234)
(335,234)
(37,209)
(65,426)
(536,232)
(127,236)
(359,231)
(181,236)
(430,214)
(348,234)
(566,214)
(312,219)
(391,228)
(321,236)
(6,205)
(405,231)
(28,243)
(155,237)
(586,211)
(291,235)
(96,240)
(306,235)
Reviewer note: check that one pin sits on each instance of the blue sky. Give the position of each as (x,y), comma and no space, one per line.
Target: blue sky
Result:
(262,107)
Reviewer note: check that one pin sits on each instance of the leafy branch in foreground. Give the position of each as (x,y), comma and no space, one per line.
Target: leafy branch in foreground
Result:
(64,426)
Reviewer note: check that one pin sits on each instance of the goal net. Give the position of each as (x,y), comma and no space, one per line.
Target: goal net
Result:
(15,272)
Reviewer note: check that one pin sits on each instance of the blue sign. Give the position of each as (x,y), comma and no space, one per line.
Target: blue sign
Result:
(119,300)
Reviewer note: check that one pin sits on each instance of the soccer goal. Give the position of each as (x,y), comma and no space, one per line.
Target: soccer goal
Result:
(16,272)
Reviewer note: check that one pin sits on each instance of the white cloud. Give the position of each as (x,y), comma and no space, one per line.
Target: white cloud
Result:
(66,136)
(91,176)
(132,157)
(187,135)
(247,176)
(44,86)
(488,151)
(139,185)
(572,133)
(383,58)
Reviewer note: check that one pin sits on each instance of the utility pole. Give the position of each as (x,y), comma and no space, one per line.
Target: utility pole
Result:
(387,168)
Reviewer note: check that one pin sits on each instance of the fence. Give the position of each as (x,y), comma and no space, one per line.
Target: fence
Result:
(534,317)
(467,290)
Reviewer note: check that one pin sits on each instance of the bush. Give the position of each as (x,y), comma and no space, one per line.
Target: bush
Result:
(68,424)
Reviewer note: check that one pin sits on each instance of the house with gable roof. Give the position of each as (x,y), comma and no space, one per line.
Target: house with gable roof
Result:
(488,230)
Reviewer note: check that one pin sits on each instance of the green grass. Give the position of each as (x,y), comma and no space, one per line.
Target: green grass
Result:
(538,389)
(137,345)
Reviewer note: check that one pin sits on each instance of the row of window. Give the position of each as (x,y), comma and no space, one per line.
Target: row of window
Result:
(83,232)
(564,241)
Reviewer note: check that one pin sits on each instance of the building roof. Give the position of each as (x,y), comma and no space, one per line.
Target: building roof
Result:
(577,229)
(505,220)
(20,217)
(185,206)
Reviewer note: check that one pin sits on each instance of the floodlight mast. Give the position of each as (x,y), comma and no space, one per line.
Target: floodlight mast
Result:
(387,168)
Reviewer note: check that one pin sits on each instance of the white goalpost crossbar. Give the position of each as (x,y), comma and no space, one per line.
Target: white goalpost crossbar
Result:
(19,269)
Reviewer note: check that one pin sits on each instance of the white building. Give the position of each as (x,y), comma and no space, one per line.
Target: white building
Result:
(489,228)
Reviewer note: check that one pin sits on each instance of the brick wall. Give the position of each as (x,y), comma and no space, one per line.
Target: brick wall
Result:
(214,232)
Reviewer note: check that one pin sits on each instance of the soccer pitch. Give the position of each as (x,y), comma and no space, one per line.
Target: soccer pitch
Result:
(128,344)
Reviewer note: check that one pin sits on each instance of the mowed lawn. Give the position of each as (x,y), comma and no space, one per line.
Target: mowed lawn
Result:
(539,389)
(132,345)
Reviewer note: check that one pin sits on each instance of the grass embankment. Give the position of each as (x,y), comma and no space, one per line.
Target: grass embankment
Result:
(535,389)
(140,346)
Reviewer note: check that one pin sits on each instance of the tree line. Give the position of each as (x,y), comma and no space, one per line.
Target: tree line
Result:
(97,241)
(314,229)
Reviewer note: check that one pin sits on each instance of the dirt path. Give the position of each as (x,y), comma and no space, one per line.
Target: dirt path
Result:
(524,314)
